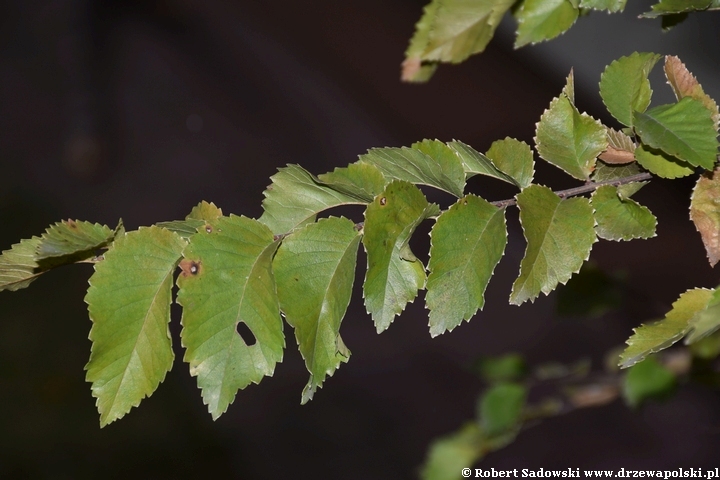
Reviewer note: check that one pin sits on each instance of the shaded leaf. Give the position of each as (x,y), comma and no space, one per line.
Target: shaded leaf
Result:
(620,218)
(665,7)
(129,304)
(590,293)
(705,213)
(295,197)
(184,228)
(508,367)
(707,320)
(227,278)
(448,455)
(500,408)
(475,163)
(684,84)
(393,276)
(653,337)
(513,158)
(685,130)
(620,149)
(661,164)
(540,20)
(647,380)
(604,172)
(568,139)
(72,237)
(467,242)
(559,235)
(624,85)
(314,270)
(18,267)
(204,211)
(412,165)
(360,180)
(609,5)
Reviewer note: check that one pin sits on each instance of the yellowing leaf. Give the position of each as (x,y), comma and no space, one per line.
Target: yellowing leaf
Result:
(620,149)
(684,84)
(204,211)
(227,278)
(314,269)
(129,304)
(559,235)
(705,213)
(467,242)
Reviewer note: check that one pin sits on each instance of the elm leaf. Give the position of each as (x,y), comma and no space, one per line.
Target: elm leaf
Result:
(74,237)
(624,85)
(129,304)
(662,164)
(668,7)
(620,218)
(18,267)
(360,180)
(314,270)
(705,214)
(514,158)
(609,5)
(620,149)
(475,163)
(467,242)
(707,320)
(204,211)
(227,279)
(540,20)
(684,84)
(559,233)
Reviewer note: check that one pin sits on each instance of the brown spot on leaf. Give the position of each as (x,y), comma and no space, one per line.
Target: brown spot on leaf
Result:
(189,267)
(383,200)
(208,228)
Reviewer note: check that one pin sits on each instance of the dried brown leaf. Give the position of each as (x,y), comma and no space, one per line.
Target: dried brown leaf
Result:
(621,148)
(705,212)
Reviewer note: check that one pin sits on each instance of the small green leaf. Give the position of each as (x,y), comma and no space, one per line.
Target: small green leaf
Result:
(467,242)
(412,165)
(620,218)
(508,367)
(448,455)
(540,20)
(129,304)
(653,337)
(604,172)
(662,164)
(624,85)
(393,278)
(204,211)
(295,197)
(73,237)
(360,180)
(18,267)
(707,320)
(226,279)
(609,5)
(559,233)
(647,380)
(705,214)
(685,130)
(665,7)
(568,139)
(500,408)
(475,163)
(314,270)
(513,158)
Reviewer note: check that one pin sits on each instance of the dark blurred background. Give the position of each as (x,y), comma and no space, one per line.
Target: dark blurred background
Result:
(140,109)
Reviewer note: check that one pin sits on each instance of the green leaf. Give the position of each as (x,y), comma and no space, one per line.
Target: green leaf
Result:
(624,85)
(540,20)
(685,130)
(500,408)
(412,165)
(393,276)
(707,348)
(204,211)
(467,242)
(609,5)
(559,235)
(661,164)
(360,180)
(705,214)
(475,163)
(647,380)
(665,7)
(449,162)
(620,218)
(568,139)
(73,237)
(604,172)
(129,304)
(508,367)
(184,228)
(652,338)
(448,455)
(314,270)
(18,267)
(295,197)
(227,278)
(513,158)
(706,321)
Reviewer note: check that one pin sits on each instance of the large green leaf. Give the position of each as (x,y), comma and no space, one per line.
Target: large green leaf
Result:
(514,158)
(314,270)
(657,336)
(500,408)
(361,180)
(394,275)
(668,7)
(609,5)
(129,304)
(296,196)
(707,320)
(685,130)
(412,165)
(620,218)
(467,242)
(705,213)
(475,163)
(568,139)
(73,237)
(624,85)
(559,235)
(227,278)
(662,164)
(540,20)
(18,267)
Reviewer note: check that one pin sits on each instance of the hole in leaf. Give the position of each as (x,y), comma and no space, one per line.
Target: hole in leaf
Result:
(246,334)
